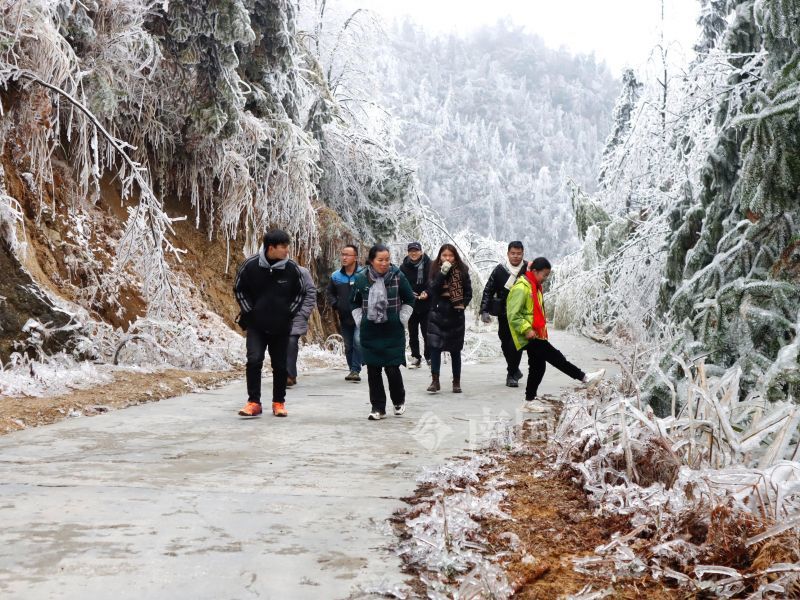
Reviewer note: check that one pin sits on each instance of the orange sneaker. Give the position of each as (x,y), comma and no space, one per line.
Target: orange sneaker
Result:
(279,409)
(251,409)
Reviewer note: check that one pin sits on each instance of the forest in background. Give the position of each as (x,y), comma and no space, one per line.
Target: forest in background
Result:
(498,124)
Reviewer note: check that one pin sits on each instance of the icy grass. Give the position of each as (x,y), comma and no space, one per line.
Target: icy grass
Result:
(445,544)
(713,493)
(708,488)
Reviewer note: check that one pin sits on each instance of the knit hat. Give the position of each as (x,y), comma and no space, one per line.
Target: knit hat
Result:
(415,246)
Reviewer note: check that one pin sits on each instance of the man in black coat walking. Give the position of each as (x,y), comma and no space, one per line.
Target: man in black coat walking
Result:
(493,303)
(270,290)
(416,267)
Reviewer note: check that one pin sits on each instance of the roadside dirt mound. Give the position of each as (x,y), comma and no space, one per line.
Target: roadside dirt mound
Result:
(127,389)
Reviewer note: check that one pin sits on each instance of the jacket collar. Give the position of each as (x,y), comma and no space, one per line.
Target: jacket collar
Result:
(264,263)
(356,272)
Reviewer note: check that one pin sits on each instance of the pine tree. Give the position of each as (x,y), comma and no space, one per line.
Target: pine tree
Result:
(623,112)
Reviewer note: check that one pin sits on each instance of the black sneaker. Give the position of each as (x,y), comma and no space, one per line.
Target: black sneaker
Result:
(353,376)
(517,375)
(415,363)
(511,382)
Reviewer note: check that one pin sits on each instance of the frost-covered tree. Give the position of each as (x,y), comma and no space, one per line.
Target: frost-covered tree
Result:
(220,110)
(705,265)
(622,116)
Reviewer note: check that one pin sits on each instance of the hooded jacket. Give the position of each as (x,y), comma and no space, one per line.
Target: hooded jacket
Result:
(269,295)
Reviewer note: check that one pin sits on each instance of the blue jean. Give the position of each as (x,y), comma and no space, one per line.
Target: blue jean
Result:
(436,362)
(352,349)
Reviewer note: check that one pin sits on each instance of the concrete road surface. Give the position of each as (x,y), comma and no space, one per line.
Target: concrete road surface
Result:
(183,499)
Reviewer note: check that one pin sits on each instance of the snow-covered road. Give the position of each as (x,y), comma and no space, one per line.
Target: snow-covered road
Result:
(182,499)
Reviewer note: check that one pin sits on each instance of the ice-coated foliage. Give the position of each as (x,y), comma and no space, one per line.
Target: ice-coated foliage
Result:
(692,241)
(227,110)
(723,469)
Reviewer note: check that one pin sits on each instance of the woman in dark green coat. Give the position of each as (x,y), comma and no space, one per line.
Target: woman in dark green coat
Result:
(383,301)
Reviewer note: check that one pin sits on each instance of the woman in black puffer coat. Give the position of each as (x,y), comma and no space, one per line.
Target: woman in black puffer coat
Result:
(450,292)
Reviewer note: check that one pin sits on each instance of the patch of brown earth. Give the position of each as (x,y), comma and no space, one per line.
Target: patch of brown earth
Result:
(127,389)
(555,524)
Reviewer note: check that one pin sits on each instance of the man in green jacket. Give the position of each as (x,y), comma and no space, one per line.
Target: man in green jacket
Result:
(527,321)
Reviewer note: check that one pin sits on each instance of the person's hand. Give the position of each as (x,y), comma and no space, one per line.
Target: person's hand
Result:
(530,334)
(446,266)
(486,317)
(423,296)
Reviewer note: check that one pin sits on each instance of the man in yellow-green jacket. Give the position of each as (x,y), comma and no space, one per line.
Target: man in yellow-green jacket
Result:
(527,321)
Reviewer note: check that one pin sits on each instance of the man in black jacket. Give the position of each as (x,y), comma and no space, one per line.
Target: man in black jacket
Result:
(270,290)
(493,303)
(416,267)
(338,294)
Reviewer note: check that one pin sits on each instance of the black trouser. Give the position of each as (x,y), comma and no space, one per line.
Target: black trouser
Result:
(541,352)
(258,343)
(512,355)
(417,322)
(292,350)
(377,393)
(455,361)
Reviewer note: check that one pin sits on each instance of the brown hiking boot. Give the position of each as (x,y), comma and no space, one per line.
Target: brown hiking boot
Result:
(279,409)
(456,386)
(434,386)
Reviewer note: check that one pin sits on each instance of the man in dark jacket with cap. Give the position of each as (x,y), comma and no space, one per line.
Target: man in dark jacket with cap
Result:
(416,267)
(493,303)
(338,295)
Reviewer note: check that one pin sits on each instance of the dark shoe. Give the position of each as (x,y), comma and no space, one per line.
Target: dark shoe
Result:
(511,382)
(353,376)
(415,363)
(456,386)
(251,409)
(434,386)
(291,381)
(517,375)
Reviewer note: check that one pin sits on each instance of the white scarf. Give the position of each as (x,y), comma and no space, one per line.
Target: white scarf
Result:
(513,273)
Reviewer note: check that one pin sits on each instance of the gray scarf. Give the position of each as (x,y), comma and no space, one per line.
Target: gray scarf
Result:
(420,271)
(378,301)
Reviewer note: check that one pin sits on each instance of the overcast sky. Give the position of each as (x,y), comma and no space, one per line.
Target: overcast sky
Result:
(622,32)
